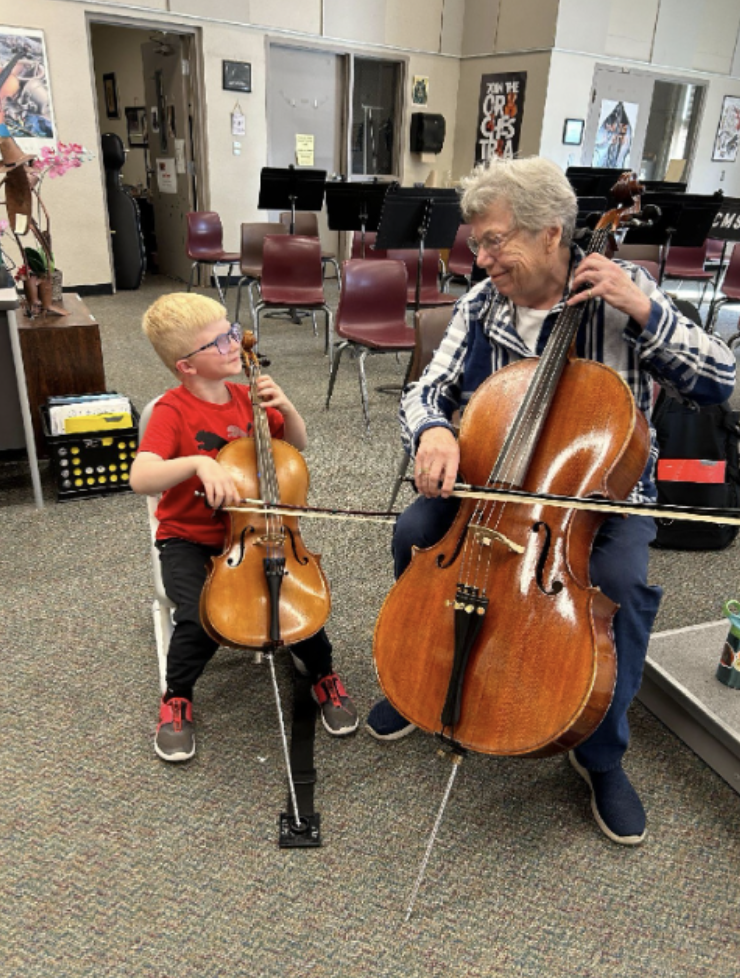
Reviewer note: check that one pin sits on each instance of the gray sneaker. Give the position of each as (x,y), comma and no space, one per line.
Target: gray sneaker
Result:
(338,712)
(175,737)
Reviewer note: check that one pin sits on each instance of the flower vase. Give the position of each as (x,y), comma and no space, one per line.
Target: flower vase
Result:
(56,290)
(45,290)
(31,292)
(46,295)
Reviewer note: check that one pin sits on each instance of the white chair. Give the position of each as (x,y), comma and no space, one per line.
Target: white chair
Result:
(162,608)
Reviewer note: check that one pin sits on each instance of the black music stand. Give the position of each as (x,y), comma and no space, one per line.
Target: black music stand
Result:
(587,207)
(685,221)
(355,206)
(419,217)
(291,189)
(725,228)
(594,181)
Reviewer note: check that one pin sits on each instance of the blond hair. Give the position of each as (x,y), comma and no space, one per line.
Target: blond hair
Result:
(173,322)
(536,190)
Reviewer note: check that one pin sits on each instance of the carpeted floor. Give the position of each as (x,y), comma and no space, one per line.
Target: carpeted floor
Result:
(113,863)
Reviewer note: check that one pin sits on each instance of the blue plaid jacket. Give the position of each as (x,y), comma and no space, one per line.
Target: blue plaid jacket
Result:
(481,338)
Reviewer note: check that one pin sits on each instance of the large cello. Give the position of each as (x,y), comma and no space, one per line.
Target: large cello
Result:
(495,639)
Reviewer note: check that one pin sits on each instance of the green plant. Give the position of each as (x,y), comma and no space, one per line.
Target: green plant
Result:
(36,262)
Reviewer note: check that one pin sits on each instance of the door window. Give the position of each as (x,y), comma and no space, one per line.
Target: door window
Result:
(375,116)
(671,131)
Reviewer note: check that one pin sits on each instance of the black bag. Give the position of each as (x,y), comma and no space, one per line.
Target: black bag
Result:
(698,467)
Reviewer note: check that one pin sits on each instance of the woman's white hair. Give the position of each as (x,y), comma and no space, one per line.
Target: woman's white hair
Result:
(535,189)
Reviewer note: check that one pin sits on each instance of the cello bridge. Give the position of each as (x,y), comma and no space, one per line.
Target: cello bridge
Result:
(484,537)
(271,540)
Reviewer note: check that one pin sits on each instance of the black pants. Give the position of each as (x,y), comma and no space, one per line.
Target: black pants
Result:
(184,570)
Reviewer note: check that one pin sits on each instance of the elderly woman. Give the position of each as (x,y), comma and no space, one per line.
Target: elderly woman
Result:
(523,214)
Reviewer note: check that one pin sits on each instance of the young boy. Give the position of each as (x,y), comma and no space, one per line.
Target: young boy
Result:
(177,458)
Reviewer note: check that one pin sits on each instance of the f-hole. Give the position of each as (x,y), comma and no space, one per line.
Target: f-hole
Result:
(557,586)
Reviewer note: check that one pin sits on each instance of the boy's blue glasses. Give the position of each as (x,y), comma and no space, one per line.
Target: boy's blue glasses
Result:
(222,341)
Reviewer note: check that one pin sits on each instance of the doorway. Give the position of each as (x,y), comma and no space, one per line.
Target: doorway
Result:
(305,103)
(641,122)
(155,113)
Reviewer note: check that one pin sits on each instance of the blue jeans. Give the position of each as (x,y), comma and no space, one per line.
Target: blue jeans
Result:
(619,564)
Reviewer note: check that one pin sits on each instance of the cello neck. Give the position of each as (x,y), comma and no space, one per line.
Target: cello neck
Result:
(514,459)
(269,489)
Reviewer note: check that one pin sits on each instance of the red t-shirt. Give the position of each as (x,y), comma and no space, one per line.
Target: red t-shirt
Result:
(182,424)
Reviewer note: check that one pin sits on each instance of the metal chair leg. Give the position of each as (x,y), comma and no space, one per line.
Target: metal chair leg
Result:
(250,296)
(400,475)
(257,310)
(336,357)
(363,387)
(228,279)
(192,269)
(218,285)
(239,297)
(329,338)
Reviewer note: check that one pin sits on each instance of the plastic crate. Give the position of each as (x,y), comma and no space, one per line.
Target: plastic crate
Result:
(91,464)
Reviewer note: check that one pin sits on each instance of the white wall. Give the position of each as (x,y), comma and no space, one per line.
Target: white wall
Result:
(569,96)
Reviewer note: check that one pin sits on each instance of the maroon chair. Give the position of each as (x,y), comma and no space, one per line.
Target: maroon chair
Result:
(370,250)
(730,288)
(687,264)
(292,278)
(205,247)
(430,327)
(429,292)
(650,266)
(715,249)
(371,317)
(307,224)
(460,262)
(250,259)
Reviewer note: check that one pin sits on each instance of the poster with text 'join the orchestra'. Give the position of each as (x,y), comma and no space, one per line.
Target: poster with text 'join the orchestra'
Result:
(500,111)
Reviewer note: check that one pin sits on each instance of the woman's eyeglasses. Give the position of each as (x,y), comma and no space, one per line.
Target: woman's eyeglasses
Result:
(222,341)
(492,245)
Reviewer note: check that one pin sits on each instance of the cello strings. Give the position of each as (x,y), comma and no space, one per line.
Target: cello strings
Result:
(508,468)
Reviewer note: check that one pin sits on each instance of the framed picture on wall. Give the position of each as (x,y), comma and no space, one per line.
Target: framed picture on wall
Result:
(237,76)
(728,130)
(573,132)
(111,96)
(420,90)
(27,99)
(136,125)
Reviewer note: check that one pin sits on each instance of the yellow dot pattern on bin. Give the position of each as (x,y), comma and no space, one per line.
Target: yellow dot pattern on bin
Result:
(103,464)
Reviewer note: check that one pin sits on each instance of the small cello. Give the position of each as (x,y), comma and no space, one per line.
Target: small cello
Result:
(266,589)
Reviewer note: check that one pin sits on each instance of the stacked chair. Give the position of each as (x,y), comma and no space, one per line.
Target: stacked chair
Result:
(371,318)
(307,223)
(430,293)
(253,240)
(292,279)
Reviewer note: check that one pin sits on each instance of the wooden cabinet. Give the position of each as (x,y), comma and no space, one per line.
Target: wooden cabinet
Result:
(61,355)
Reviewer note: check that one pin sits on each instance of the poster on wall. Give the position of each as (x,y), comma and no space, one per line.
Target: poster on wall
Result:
(500,115)
(728,131)
(25,95)
(617,121)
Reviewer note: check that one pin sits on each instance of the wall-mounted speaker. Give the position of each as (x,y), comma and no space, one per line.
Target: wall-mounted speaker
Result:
(427,132)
